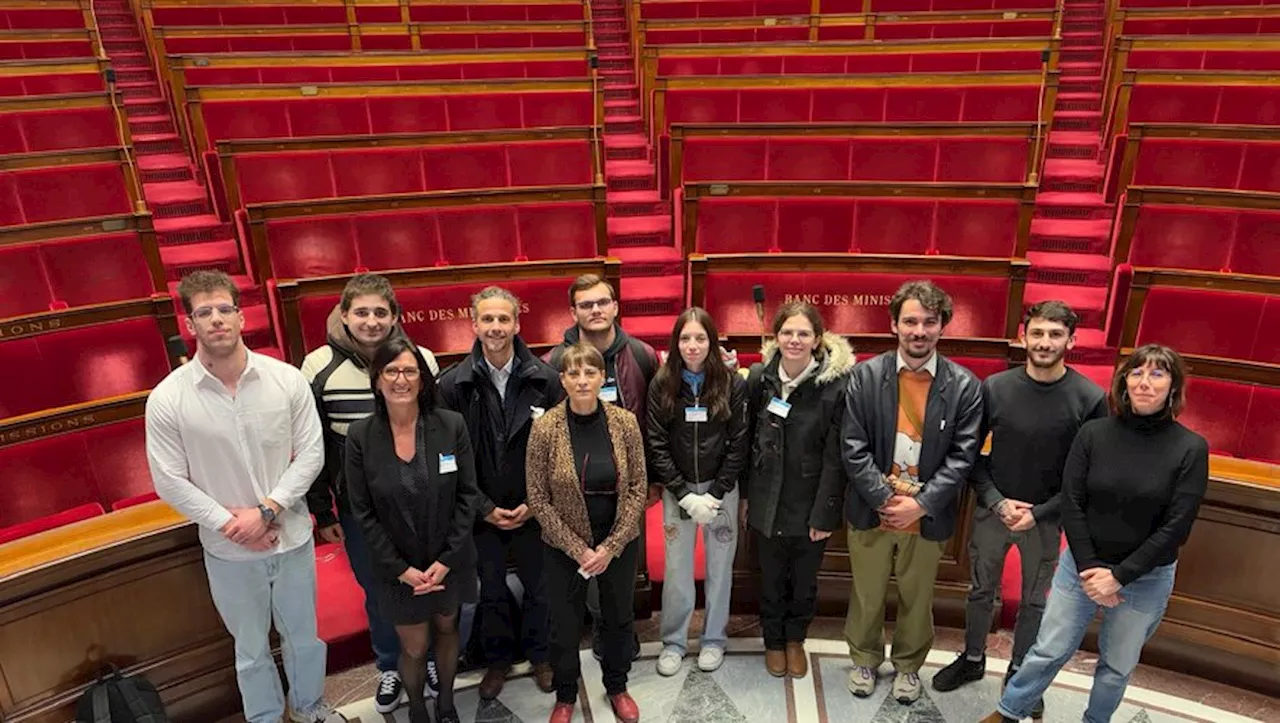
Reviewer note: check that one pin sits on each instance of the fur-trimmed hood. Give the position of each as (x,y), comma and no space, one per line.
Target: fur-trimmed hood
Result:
(837,358)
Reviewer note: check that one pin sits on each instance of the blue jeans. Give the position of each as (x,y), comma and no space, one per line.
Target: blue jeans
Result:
(386,646)
(248,596)
(678,593)
(1125,629)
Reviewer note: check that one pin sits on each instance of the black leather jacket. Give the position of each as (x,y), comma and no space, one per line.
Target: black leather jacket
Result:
(683,452)
(953,414)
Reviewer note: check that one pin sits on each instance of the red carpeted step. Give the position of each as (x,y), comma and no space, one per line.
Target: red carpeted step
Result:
(652,295)
(624,123)
(1082,54)
(1080,85)
(1079,206)
(615,109)
(127,46)
(1077,120)
(1072,175)
(1055,267)
(1080,70)
(1079,39)
(1078,101)
(654,230)
(1080,145)
(1072,236)
(649,260)
(130,60)
(614,50)
(637,175)
(625,91)
(182,259)
(176,198)
(636,203)
(615,78)
(1089,302)
(655,329)
(626,147)
(151,124)
(144,143)
(139,89)
(191,229)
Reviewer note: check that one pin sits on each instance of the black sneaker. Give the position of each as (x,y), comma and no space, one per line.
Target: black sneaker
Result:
(961,671)
(390,692)
(1037,712)
(433,680)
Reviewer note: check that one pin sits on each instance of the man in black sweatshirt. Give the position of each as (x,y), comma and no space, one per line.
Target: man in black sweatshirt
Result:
(1033,414)
(500,388)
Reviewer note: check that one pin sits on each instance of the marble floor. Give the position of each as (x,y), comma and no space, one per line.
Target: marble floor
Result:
(741,690)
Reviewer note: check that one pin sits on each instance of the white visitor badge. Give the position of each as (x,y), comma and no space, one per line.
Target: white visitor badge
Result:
(779,407)
(695,414)
(448,463)
(609,394)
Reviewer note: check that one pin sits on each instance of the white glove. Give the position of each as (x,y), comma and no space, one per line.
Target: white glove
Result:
(703,508)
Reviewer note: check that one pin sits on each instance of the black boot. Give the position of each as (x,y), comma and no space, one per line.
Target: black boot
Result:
(961,671)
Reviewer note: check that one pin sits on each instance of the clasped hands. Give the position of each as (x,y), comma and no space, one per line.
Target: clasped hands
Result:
(505,519)
(427,582)
(702,508)
(248,529)
(1016,515)
(1101,586)
(594,562)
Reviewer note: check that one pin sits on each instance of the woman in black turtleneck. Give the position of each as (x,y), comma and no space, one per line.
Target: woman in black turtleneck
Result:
(1130,493)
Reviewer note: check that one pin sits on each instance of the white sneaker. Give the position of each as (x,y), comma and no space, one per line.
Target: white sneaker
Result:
(710,658)
(906,688)
(669,662)
(862,681)
(390,692)
(322,713)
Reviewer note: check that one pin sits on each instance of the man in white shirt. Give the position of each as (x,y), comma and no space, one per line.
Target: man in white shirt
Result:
(234,442)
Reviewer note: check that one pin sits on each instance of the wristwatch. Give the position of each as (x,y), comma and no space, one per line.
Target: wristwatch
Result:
(268,514)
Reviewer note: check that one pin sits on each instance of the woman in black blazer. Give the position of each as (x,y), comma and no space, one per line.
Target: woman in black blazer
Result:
(412,485)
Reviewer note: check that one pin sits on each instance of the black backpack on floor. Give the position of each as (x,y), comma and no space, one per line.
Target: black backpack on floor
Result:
(117,698)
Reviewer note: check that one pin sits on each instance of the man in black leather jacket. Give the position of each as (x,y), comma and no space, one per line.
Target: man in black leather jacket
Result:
(909,438)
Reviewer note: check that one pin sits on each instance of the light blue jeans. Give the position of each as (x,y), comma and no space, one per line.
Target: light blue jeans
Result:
(248,596)
(720,540)
(1125,629)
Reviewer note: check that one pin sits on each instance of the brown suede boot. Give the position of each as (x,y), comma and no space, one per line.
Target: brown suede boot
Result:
(775,661)
(797,661)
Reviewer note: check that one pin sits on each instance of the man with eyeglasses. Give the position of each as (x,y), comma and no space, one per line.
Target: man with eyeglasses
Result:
(365,316)
(629,366)
(233,443)
(500,388)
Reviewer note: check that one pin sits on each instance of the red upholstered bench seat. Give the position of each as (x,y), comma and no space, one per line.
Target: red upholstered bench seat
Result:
(268,14)
(82,364)
(1207,238)
(49,522)
(36,131)
(51,84)
(34,49)
(64,192)
(942,160)
(1237,419)
(55,275)
(1233,325)
(1205,59)
(41,18)
(328,245)
(268,177)
(283,42)
(957,227)
(396,114)
(1216,104)
(1189,3)
(1226,164)
(306,73)
(851,63)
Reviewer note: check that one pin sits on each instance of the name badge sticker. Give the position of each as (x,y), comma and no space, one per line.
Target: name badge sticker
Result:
(779,408)
(695,414)
(609,394)
(448,464)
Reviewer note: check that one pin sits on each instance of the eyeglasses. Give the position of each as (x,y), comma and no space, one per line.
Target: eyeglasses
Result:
(801,334)
(205,312)
(410,374)
(378,313)
(589,305)
(1151,375)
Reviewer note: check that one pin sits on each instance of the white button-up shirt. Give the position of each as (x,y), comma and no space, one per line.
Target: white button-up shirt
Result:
(501,375)
(209,450)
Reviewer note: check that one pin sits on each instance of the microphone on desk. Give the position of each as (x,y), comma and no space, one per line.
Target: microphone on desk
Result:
(757,294)
(177,349)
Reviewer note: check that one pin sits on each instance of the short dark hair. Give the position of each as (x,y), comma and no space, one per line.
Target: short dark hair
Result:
(428,393)
(371,285)
(581,354)
(932,298)
(588,281)
(799,308)
(1055,311)
(1164,358)
(206,281)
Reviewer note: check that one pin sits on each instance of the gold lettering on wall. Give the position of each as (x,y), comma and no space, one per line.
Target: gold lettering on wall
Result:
(27,328)
(841,299)
(444,314)
(45,429)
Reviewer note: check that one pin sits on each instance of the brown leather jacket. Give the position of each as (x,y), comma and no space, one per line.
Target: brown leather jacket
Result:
(553,491)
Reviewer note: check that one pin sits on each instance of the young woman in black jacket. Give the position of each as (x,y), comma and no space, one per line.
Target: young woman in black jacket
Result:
(697,438)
